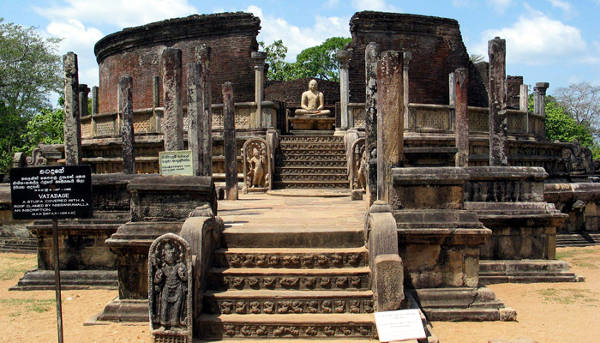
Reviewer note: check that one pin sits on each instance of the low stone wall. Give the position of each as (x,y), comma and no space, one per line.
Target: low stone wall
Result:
(580,201)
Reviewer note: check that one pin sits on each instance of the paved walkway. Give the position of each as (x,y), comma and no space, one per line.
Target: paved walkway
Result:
(256,210)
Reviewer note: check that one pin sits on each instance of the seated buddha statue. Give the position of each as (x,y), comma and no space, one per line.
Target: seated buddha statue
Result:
(312,102)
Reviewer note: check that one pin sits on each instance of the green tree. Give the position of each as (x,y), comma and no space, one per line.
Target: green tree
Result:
(317,61)
(561,126)
(29,68)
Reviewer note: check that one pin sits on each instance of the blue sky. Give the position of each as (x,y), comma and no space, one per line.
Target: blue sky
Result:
(547,40)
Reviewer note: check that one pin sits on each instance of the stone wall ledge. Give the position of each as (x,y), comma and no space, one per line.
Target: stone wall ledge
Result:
(141,233)
(171,183)
(506,173)
(429,175)
(555,192)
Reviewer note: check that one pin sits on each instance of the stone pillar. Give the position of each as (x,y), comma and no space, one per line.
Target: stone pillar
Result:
(524,98)
(371,57)
(390,120)
(203,56)
(127,136)
(539,98)
(343,57)
(72,124)
(173,116)
(461,116)
(197,132)
(94,109)
(497,102)
(229,142)
(452,89)
(84,92)
(258,58)
(407,56)
(155,121)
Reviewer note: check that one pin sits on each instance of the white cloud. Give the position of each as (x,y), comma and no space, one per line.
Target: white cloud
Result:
(536,39)
(374,5)
(332,3)
(499,5)
(297,38)
(564,6)
(121,13)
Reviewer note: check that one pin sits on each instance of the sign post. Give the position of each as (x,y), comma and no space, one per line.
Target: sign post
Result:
(52,193)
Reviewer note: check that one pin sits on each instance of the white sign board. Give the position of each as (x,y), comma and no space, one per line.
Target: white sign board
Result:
(177,162)
(399,325)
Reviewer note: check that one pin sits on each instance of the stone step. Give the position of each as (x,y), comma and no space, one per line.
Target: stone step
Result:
(18,244)
(290,236)
(303,145)
(340,153)
(577,239)
(286,258)
(525,271)
(315,326)
(292,340)
(307,157)
(313,177)
(282,302)
(470,314)
(70,279)
(311,184)
(316,163)
(485,279)
(311,170)
(286,278)
(311,138)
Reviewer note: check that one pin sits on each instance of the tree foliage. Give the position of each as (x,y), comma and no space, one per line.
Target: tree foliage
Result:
(582,101)
(29,72)
(317,61)
(561,126)
(29,68)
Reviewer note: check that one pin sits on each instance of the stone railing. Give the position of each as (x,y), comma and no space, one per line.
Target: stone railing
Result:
(148,120)
(505,184)
(430,118)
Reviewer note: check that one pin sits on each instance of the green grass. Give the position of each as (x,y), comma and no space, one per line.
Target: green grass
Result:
(568,296)
(574,252)
(18,306)
(15,266)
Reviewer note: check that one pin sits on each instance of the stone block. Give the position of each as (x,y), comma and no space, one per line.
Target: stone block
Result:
(389,280)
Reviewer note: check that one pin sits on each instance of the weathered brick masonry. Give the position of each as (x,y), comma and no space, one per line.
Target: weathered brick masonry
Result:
(136,51)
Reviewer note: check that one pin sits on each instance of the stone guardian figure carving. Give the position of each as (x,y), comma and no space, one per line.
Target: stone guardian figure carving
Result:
(170,286)
(312,102)
(257,166)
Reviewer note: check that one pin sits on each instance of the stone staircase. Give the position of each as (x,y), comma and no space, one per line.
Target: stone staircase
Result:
(316,161)
(288,285)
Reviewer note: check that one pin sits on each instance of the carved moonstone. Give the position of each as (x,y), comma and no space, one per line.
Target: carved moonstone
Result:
(170,289)
(257,165)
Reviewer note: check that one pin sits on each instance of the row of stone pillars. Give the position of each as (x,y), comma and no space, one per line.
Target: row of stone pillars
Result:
(199,112)
(386,107)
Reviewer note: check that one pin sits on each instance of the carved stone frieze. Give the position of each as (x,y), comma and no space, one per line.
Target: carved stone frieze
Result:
(325,260)
(359,281)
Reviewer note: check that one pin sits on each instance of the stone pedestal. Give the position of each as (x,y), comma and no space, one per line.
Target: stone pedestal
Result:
(510,202)
(439,244)
(159,205)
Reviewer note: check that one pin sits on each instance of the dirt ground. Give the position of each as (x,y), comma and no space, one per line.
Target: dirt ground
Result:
(547,313)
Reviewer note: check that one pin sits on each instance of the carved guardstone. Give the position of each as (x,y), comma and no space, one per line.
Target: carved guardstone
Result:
(170,289)
(257,165)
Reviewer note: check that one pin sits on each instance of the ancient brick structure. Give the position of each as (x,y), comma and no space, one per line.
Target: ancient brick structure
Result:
(136,51)
(289,92)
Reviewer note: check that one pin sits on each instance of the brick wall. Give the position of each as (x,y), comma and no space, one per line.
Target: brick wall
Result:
(290,92)
(136,51)
(436,45)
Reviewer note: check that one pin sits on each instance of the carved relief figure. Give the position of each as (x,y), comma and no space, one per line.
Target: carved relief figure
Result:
(256,165)
(170,283)
(169,268)
(312,102)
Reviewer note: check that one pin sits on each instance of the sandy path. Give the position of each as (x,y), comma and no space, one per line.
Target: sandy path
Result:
(547,313)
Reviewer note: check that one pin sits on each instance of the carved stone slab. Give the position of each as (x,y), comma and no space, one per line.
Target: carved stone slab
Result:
(359,165)
(170,289)
(257,165)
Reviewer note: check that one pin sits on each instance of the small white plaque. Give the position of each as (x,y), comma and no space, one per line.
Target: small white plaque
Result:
(399,325)
(178,162)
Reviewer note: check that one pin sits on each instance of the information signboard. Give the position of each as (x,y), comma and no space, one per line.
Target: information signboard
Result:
(393,326)
(55,192)
(177,162)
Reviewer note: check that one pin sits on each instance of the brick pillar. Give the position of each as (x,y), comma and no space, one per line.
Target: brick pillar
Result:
(390,120)
(173,116)
(258,58)
(461,116)
(127,135)
(371,57)
(343,57)
(497,102)
(229,142)
(72,122)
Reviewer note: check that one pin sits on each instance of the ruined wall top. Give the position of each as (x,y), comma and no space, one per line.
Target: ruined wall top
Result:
(435,43)
(176,29)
